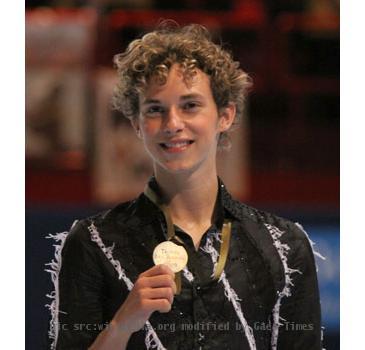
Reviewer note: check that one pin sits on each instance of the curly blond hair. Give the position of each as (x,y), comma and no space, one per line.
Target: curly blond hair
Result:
(191,47)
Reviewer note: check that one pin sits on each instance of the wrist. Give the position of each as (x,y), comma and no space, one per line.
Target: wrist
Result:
(120,327)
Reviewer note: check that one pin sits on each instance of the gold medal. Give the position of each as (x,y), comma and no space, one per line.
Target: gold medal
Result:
(170,254)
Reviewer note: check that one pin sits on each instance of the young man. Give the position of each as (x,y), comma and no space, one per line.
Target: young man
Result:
(231,277)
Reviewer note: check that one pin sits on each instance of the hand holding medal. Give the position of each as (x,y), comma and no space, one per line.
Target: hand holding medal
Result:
(175,256)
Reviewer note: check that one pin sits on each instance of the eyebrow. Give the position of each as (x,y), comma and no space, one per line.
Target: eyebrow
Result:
(150,101)
(183,98)
(192,96)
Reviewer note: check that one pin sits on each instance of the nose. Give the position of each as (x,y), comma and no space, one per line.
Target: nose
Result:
(174,122)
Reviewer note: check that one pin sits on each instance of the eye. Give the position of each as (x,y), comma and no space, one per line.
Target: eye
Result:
(191,106)
(154,110)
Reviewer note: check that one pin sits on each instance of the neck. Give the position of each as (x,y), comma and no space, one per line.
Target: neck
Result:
(190,197)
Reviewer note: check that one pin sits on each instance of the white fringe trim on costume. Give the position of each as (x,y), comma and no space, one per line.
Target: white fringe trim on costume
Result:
(151,339)
(283,250)
(188,275)
(315,253)
(322,332)
(229,292)
(54,269)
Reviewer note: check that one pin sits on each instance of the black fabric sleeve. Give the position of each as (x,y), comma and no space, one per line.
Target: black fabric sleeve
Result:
(301,313)
(80,291)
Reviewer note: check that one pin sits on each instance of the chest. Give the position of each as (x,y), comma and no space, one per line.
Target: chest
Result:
(243,293)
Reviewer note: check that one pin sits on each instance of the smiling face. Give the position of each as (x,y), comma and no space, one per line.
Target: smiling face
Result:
(180,123)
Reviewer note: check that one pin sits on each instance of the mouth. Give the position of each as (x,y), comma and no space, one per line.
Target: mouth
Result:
(176,146)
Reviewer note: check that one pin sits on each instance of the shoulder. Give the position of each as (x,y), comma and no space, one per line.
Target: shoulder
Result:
(80,233)
(277,226)
(270,231)
(267,230)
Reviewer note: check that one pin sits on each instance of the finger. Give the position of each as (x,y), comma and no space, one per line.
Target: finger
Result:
(159,293)
(160,269)
(157,282)
(161,305)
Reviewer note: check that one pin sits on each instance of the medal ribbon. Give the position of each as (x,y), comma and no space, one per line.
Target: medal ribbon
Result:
(223,252)
(150,194)
(226,236)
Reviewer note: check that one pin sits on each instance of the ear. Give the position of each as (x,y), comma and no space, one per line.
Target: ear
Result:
(226,117)
(135,124)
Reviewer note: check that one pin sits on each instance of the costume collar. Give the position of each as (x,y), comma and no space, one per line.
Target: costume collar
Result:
(224,203)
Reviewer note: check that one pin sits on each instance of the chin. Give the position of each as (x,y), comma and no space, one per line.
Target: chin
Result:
(177,167)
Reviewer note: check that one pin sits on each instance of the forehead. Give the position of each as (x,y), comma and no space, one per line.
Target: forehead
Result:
(178,83)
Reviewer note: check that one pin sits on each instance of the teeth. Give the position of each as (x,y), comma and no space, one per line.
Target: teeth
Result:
(177,144)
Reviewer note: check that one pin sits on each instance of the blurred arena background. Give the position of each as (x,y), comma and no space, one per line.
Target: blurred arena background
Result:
(82,157)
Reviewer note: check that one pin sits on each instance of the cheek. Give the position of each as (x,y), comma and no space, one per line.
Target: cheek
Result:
(207,126)
(150,127)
